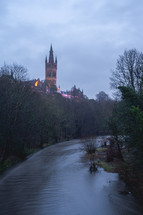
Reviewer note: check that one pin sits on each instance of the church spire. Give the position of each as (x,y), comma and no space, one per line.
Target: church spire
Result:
(56,60)
(51,69)
(51,49)
(51,57)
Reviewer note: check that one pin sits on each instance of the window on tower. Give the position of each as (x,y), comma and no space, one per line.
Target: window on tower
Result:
(49,74)
(54,74)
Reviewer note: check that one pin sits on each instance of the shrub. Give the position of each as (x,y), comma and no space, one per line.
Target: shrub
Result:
(89,146)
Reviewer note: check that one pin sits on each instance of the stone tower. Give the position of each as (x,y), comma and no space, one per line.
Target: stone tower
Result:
(51,70)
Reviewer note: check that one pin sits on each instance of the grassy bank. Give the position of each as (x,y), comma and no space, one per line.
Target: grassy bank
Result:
(11,161)
(128,171)
(111,160)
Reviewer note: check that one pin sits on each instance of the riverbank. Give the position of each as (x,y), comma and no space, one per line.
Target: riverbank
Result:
(127,170)
(12,161)
(56,179)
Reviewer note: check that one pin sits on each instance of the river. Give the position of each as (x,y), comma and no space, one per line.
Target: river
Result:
(57,181)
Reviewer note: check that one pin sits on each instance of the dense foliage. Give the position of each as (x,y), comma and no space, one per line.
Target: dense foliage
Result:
(30,118)
(127,116)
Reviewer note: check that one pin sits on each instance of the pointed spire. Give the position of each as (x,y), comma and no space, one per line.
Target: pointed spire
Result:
(51,49)
(51,57)
(46,59)
(56,60)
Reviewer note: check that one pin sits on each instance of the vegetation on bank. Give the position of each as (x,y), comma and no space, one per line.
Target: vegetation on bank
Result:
(126,121)
(125,167)
(30,118)
(125,153)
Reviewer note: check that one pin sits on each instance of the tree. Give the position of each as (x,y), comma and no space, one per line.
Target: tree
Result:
(129,71)
(102,97)
(103,107)
(127,116)
(15,71)
(114,123)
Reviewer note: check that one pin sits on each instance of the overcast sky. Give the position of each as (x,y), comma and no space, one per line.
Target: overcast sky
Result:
(87,38)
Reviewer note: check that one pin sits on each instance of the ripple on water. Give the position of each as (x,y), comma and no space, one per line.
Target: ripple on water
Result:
(56,181)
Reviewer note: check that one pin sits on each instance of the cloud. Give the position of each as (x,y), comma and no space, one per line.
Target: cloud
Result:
(87,37)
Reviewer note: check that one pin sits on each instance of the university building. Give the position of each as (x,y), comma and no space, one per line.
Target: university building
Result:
(50,82)
(51,70)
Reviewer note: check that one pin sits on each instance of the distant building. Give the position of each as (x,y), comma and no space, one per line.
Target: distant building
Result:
(51,70)
(50,84)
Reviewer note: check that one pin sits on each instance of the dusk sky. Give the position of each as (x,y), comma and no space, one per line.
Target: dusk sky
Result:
(87,38)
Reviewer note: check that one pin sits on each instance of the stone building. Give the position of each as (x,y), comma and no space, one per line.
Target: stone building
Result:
(51,70)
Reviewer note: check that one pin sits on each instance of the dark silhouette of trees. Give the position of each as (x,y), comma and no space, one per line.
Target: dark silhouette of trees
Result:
(103,110)
(16,71)
(129,71)
(102,97)
(127,116)
(31,118)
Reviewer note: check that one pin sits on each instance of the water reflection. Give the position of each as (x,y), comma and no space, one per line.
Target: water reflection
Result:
(56,181)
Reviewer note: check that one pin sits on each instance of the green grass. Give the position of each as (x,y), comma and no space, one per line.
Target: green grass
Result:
(47,144)
(4,166)
(106,166)
(101,149)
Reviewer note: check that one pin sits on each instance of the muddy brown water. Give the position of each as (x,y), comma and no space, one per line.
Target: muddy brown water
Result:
(57,181)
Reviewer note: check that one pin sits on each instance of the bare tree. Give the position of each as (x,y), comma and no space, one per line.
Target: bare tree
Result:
(102,97)
(16,71)
(129,71)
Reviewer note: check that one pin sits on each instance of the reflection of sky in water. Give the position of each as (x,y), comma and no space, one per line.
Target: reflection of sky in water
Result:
(101,139)
(56,181)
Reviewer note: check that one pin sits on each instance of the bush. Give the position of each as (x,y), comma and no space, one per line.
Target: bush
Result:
(89,146)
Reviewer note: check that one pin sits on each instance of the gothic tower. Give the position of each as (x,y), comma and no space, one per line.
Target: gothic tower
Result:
(51,70)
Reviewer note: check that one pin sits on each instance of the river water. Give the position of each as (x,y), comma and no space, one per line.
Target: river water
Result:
(57,181)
